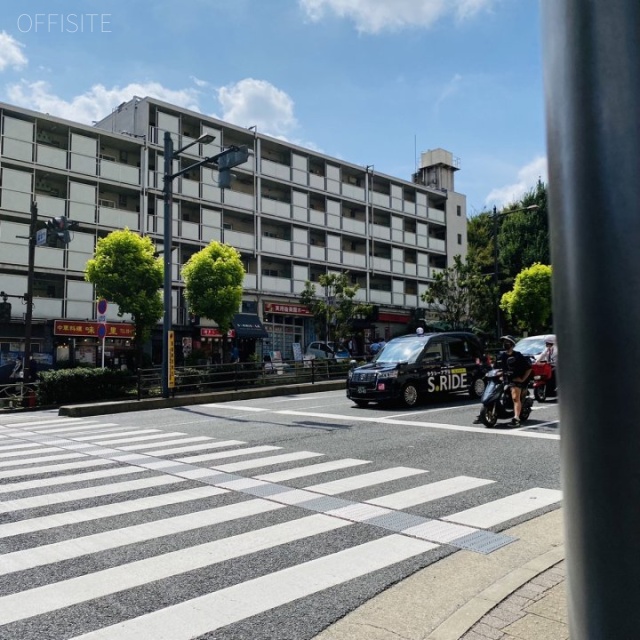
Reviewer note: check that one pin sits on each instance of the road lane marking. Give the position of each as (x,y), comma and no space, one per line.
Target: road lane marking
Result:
(212,611)
(428,425)
(105,511)
(90,492)
(311,470)
(492,513)
(268,461)
(364,480)
(429,492)
(65,593)
(227,454)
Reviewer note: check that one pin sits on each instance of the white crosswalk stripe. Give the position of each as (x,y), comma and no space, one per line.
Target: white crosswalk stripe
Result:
(221,608)
(493,513)
(204,511)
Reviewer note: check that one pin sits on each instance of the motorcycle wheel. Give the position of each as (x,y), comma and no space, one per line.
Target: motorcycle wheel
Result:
(526,409)
(489,416)
(476,390)
(540,393)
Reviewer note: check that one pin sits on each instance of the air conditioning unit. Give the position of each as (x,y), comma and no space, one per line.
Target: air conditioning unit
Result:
(106,203)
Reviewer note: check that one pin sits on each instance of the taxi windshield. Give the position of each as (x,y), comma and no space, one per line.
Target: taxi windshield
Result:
(400,351)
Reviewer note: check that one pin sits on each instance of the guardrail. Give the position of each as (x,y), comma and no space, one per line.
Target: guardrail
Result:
(18,394)
(215,377)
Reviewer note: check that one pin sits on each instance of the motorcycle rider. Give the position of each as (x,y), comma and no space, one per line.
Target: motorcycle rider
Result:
(550,355)
(519,368)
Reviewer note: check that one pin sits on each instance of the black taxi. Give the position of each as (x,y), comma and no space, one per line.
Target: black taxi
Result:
(411,367)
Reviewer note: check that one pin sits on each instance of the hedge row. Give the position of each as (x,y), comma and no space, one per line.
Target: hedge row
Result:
(79,385)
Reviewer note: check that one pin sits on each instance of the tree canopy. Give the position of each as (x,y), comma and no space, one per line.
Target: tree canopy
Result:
(528,304)
(522,240)
(335,310)
(126,271)
(459,294)
(213,280)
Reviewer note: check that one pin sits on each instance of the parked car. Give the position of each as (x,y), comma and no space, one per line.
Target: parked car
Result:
(328,350)
(532,346)
(414,366)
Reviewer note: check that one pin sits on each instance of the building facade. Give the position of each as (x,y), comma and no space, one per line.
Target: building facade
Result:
(293,213)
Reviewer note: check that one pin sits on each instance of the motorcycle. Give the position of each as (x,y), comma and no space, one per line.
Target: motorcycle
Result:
(497,402)
(544,383)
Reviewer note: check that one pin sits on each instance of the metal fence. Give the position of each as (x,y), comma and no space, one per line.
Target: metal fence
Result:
(207,378)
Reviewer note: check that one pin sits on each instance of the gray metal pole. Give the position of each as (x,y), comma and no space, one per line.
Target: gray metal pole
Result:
(168,241)
(28,322)
(592,87)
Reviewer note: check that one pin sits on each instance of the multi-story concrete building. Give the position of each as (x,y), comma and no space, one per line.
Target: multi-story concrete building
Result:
(293,213)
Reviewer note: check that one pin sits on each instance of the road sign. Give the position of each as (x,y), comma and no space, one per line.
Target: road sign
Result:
(41,237)
(102,331)
(102,306)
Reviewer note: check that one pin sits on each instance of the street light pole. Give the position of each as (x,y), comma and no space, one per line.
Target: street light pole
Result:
(225,160)
(496,279)
(26,364)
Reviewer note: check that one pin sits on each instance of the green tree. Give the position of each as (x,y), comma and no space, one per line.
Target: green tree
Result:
(126,271)
(213,280)
(522,240)
(336,309)
(528,304)
(458,292)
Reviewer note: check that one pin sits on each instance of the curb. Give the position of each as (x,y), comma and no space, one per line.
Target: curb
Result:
(122,406)
(473,611)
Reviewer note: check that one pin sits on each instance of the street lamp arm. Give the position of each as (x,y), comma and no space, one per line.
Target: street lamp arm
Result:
(195,165)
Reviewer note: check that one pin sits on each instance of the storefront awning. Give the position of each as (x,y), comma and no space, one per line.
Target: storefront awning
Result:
(248,325)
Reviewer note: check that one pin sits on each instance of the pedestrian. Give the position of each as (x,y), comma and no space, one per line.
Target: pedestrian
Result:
(33,369)
(235,354)
(17,373)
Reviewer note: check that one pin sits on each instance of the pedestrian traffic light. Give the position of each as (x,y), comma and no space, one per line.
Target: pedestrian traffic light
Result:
(57,232)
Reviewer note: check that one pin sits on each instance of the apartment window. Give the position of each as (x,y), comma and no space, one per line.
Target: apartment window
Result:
(459,238)
(459,210)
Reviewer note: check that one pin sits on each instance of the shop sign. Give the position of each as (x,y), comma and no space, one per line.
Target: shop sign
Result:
(90,329)
(289,309)
(214,332)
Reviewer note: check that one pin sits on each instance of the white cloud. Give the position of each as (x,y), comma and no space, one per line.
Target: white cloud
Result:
(11,54)
(527,178)
(375,16)
(97,102)
(257,102)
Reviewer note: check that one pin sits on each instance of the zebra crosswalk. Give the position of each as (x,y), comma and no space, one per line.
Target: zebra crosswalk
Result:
(111,532)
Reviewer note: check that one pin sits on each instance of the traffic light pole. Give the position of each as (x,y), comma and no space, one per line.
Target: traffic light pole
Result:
(230,158)
(26,365)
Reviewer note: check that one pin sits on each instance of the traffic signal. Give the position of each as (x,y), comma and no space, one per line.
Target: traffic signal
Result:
(230,158)
(58,235)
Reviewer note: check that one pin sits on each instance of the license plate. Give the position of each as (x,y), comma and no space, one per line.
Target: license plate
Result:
(361,391)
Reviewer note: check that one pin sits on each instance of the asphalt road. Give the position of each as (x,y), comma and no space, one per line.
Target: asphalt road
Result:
(266,519)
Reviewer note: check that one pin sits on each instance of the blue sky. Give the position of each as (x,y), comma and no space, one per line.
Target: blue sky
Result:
(374,82)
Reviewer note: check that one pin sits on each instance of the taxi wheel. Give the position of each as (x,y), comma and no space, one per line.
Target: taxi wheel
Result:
(477,388)
(410,394)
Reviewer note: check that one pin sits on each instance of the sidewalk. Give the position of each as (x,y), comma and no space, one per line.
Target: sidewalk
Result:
(514,593)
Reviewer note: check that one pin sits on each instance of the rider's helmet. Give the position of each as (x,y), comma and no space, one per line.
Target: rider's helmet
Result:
(510,339)
(550,339)
(419,331)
